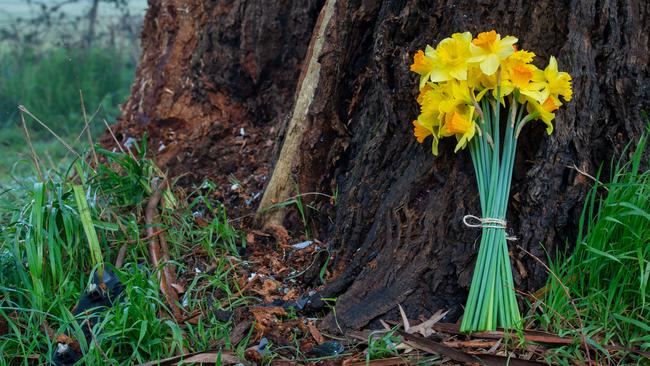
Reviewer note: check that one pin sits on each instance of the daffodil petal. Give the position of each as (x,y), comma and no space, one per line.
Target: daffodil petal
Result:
(490,65)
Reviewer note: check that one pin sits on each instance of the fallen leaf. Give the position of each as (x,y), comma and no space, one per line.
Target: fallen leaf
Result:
(315,333)
(212,357)
(269,289)
(251,354)
(277,267)
(292,294)
(424,328)
(266,317)
(200,221)
(179,288)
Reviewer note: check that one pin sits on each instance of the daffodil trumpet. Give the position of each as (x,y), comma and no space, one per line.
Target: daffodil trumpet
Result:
(464,85)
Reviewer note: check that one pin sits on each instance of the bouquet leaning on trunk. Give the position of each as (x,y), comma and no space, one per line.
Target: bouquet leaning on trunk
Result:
(483,91)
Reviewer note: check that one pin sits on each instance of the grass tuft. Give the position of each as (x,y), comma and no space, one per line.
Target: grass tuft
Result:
(46,262)
(604,282)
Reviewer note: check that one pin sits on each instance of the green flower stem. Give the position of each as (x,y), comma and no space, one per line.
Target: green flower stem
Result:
(492,302)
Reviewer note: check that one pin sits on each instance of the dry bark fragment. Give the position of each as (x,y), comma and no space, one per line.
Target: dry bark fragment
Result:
(159,254)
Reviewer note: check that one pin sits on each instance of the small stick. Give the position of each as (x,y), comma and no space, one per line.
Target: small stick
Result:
(151,216)
(113,135)
(133,241)
(471,343)
(92,335)
(83,130)
(31,148)
(23,109)
(87,128)
(575,167)
(120,256)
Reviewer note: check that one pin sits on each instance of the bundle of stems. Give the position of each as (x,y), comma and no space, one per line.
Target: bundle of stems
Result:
(465,82)
(491,302)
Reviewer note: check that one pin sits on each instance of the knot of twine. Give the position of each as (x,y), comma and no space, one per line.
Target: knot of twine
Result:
(487,222)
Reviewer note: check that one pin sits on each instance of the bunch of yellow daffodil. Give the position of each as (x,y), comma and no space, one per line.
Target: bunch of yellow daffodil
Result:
(457,74)
(465,83)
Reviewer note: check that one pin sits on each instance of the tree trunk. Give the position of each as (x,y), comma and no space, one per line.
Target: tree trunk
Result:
(89,37)
(214,84)
(396,229)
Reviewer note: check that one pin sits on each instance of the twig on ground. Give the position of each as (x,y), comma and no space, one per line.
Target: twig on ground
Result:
(119,146)
(119,261)
(166,278)
(433,347)
(92,334)
(148,237)
(574,167)
(25,110)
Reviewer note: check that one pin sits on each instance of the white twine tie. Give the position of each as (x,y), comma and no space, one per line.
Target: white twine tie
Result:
(487,222)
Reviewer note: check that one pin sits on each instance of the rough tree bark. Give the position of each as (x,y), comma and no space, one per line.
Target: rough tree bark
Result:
(215,80)
(396,230)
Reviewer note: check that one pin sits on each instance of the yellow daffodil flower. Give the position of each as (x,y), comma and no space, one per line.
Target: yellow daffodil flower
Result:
(489,50)
(430,100)
(520,56)
(544,111)
(460,123)
(423,128)
(460,71)
(522,77)
(420,131)
(519,73)
(456,93)
(559,83)
(423,65)
(478,79)
(450,58)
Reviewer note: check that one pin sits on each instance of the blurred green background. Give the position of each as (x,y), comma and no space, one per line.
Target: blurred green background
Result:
(50,53)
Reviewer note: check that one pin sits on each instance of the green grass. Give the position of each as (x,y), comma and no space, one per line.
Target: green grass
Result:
(48,83)
(45,262)
(601,289)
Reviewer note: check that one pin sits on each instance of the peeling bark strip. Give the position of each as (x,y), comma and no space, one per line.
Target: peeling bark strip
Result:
(159,253)
(210,70)
(280,186)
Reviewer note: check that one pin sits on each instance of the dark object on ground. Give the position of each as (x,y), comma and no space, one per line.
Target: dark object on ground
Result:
(223,315)
(65,355)
(327,349)
(97,297)
(296,305)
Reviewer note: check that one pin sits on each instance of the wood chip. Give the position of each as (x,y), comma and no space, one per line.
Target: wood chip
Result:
(315,333)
